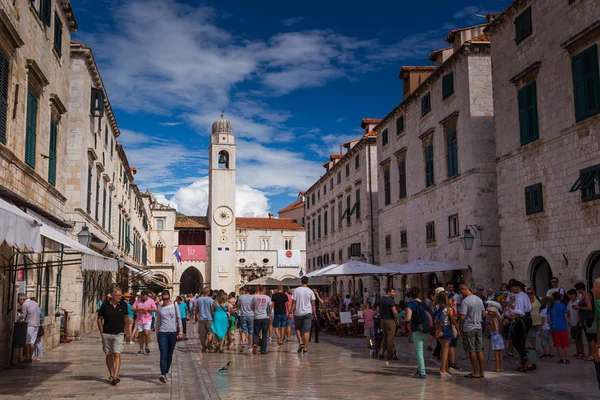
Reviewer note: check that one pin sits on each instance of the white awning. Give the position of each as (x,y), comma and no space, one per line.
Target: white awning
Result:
(424,267)
(137,271)
(320,271)
(356,268)
(19,229)
(90,260)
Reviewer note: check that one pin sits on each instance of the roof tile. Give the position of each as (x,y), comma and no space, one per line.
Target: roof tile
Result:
(293,206)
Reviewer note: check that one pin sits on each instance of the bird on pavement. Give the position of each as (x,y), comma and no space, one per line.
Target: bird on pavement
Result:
(225,368)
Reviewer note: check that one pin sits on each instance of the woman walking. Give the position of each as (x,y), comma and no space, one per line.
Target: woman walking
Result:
(445,315)
(220,323)
(231,300)
(168,330)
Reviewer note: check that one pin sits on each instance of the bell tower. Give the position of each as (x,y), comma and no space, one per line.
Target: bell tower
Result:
(221,206)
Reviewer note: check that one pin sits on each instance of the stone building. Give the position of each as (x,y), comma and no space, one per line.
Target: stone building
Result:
(342,210)
(436,166)
(295,211)
(547,103)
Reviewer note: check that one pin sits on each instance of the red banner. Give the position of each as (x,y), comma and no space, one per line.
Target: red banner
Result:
(192,252)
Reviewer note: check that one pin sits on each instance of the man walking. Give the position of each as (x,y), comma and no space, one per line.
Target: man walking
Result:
(389,318)
(261,306)
(31,311)
(112,323)
(280,301)
(472,312)
(596,307)
(144,307)
(290,314)
(303,303)
(203,316)
(244,306)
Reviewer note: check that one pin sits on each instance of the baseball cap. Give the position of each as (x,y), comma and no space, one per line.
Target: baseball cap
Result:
(439,290)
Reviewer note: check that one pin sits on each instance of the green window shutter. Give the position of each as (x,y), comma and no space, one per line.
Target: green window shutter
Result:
(357,204)
(89,191)
(106,135)
(57,35)
(325,221)
(447,85)
(386,186)
(523,26)
(52,159)
(4,74)
(110,214)
(347,212)
(46,11)
(451,154)
(104,207)
(384,137)
(31,128)
(429,177)
(97,214)
(399,125)
(586,83)
(533,199)
(528,118)
(402,178)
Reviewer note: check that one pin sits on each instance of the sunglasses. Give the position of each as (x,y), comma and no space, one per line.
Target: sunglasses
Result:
(554,281)
(529,292)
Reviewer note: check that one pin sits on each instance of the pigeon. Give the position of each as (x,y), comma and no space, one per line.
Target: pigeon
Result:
(225,368)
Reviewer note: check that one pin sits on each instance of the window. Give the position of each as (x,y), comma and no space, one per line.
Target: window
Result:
(357,204)
(430,232)
(588,183)
(110,213)
(45,11)
(388,243)
(331,183)
(57,34)
(429,178)
(319,194)
(400,125)
(106,135)
(523,26)
(4,74)
(97,102)
(319,226)
(384,137)
(386,185)
(314,231)
(355,250)
(52,153)
(403,240)
(88,207)
(158,253)
(324,189)
(402,178)
(314,262)
(340,214)
(112,147)
(265,244)
(241,244)
(104,207)
(160,224)
(447,85)
(308,202)
(528,119)
(347,170)
(451,153)
(325,221)
(453,228)
(586,83)
(340,255)
(308,232)
(533,199)
(425,103)
(332,217)
(313,199)
(287,243)
(339,177)
(348,208)
(357,162)
(31,128)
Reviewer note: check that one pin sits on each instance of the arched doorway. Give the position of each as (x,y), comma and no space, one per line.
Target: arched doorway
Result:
(541,275)
(191,281)
(593,271)
(342,288)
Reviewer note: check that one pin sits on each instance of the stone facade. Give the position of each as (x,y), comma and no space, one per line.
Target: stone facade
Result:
(295,211)
(560,238)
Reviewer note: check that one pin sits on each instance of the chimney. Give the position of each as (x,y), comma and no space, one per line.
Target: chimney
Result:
(133,170)
(413,76)
(270,215)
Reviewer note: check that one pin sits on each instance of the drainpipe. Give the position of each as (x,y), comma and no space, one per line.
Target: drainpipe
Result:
(371,200)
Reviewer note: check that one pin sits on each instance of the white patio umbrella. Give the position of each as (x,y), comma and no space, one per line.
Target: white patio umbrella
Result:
(319,272)
(265,281)
(357,268)
(423,267)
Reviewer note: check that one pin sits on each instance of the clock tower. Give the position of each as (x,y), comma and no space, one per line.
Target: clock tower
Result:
(221,206)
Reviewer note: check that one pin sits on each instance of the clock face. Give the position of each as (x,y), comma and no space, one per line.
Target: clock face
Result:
(223,216)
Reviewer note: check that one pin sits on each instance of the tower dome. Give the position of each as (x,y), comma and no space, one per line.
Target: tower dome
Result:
(221,126)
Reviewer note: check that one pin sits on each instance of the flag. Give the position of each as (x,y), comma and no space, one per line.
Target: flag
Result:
(177,255)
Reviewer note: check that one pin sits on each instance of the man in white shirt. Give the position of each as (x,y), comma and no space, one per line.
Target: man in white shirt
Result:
(303,304)
(31,312)
(555,288)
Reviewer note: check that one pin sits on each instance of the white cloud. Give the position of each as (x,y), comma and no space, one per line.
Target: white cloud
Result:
(292,21)
(341,119)
(473,14)
(170,123)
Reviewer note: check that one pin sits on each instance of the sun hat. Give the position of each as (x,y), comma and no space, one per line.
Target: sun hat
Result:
(439,290)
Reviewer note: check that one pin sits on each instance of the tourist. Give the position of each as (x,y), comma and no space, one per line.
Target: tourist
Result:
(133,325)
(454,341)
(365,297)
(38,350)
(112,324)
(347,302)
(130,314)
(417,314)
(279,301)
(220,321)
(183,313)
(546,335)
(596,352)
(231,300)
(521,322)
(290,314)
(244,307)
(31,312)
(261,306)
(574,324)
(169,328)
(144,307)
(430,301)
(369,324)
(497,342)
(203,316)
(445,318)
(389,318)
(536,319)
(303,304)
(316,324)
(452,294)
(480,292)
(586,319)
(559,326)
(472,313)
(555,288)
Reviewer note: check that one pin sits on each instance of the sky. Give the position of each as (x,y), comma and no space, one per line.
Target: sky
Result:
(294,78)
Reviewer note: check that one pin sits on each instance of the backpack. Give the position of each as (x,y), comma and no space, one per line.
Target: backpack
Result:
(422,317)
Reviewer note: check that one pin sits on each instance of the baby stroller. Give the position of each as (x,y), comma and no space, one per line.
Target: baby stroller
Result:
(378,336)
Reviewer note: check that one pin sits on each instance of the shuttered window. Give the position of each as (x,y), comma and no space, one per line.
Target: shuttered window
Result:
(402,178)
(97,102)
(451,153)
(400,125)
(386,186)
(88,207)
(106,135)
(533,199)
(319,226)
(388,243)
(52,153)
(425,103)
(403,239)
(447,85)
(104,207)
(57,35)
(586,83)
(325,222)
(31,128)
(357,204)
(347,212)
(528,117)
(4,73)
(384,137)
(523,26)
(429,176)
(46,11)
(430,232)
(340,214)
(97,214)
(110,213)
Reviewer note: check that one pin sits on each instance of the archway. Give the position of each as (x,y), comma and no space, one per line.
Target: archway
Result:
(190,281)
(593,271)
(433,281)
(541,276)
(342,288)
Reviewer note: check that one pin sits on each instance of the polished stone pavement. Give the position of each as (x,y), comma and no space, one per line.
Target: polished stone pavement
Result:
(336,368)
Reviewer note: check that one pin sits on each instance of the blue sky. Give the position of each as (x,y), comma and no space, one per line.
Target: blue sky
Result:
(294,78)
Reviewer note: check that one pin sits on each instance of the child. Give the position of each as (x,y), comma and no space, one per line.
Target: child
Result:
(368,315)
(575,326)
(497,339)
(546,337)
(559,326)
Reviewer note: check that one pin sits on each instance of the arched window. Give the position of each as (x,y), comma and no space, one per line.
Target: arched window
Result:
(159,252)
(223,160)
(594,269)
(541,276)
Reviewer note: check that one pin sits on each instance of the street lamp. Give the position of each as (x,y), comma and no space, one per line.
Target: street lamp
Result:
(121,262)
(84,236)
(467,239)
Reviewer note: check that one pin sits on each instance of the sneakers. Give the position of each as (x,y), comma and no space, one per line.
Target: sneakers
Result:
(242,348)
(139,353)
(162,379)
(418,375)
(300,348)
(147,350)
(562,362)
(168,377)
(568,362)
(254,349)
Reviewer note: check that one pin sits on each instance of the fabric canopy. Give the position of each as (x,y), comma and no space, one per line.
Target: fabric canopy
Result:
(265,281)
(315,281)
(320,271)
(423,267)
(137,271)
(90,260)
(356,268)
(19,229)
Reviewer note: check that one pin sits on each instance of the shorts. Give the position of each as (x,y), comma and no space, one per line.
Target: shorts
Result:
(204,328)
(561,339)
(590,334)
(472,341)
(497,341)
(130,319)
(546,338)
(303,322)
(32,332)
(112,343)
(576,333)
(247,325)
(369,332)
(232,323)
(453,342)
(279,321)
(289,322)
(144,327)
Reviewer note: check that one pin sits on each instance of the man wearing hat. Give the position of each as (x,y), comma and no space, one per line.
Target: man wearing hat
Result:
(521,321)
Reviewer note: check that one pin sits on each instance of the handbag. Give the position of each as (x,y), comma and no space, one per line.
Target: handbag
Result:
(40,331)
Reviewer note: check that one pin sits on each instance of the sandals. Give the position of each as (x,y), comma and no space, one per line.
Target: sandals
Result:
(471,376)
(109,379)
(115,381)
